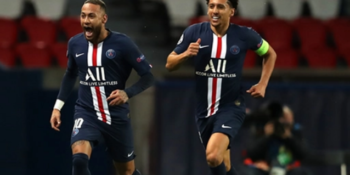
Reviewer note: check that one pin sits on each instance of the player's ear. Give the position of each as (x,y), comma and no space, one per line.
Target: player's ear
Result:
(105,18)
(233,12)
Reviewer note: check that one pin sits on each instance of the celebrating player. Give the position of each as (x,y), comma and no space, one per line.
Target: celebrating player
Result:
(218,49)
(103,60)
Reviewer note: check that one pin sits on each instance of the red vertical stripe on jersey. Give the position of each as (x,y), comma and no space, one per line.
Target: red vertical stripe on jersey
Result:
(215,80)
(97,88)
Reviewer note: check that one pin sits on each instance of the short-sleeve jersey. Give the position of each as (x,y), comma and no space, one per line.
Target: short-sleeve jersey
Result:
(219,64)
(103,68)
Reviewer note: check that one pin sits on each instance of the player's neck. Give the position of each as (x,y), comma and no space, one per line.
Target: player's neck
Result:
(220,30)
(103,36)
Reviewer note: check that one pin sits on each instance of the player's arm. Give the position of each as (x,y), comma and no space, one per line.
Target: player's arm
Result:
(269,58)
(138,61)
(185,49)
(263,49)
(67,86)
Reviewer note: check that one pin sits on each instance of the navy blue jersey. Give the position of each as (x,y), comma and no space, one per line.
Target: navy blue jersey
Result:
(103,68)
(218,65)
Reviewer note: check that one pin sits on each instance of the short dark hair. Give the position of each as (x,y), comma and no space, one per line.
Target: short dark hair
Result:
(97,2)
(232,3)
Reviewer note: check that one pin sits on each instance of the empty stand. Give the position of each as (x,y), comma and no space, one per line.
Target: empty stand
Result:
(324,9)
(180,11)
(321,58)
(7,57)
(9,31)
(59,51)
(244,22)
(70,26)
(250,59)
(287,59)
(41,32)
(252,9)
(278,33)
(11,9)
(340,28)
(33,57)
(287,9)
(311,32)
(51,9)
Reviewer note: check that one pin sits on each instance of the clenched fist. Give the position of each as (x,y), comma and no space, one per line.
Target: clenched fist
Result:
(193,49)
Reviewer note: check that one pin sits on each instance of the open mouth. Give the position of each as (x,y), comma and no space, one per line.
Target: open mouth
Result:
(88,31)
(215,18)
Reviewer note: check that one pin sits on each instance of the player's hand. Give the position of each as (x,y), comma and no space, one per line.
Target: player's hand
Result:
(55,119)
(257,91)
(193,49)
(117,97)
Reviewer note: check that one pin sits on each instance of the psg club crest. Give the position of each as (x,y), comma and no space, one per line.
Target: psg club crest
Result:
(235,50)
(75,132)
(110,53)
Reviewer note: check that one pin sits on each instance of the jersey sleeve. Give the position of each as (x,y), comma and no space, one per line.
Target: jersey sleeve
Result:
(185,40)
(256,42)
(134,57)
(70,76)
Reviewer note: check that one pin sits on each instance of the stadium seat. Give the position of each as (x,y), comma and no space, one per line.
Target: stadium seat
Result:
(180,11)
(312,33)
(9,32)
(7,58)
(70,26)
(250,59)
(33,57)
(324,9)
(287,9)
(277,32)
(41,32)
(340,28)
(252,9)
(346,57)
(244,22)
(50,9)
(286,59)
(11,9)
(59,51)
(321,58)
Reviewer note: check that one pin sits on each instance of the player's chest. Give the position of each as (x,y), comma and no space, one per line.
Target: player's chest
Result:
(225,47)
(98,55)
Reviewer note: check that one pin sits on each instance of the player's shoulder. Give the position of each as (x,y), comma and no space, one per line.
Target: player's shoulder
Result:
(241,29)
(198,27)
(76,39)
(121,37)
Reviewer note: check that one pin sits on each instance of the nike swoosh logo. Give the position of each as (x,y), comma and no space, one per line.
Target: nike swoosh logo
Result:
(78,55)
(223,126)
(201,47)
(131,154)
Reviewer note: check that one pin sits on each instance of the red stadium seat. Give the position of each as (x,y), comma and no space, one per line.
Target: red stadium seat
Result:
(347,58)
(340,31)
(7,57)
(59,51)
(277,32)
(250,59)
(321,58)
(41,32)
(312,33)
(287,59)
(33,57)
(71,26)
(9,32)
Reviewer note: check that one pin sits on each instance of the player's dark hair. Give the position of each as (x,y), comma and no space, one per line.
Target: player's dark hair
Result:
(98,2)
(232,3)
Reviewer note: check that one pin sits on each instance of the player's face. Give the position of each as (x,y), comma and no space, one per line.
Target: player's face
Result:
(219,12)
(92,19)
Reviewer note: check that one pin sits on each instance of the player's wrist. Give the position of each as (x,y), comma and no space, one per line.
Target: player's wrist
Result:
(58,105)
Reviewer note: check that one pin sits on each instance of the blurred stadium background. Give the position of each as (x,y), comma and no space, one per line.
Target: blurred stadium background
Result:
(311,38)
